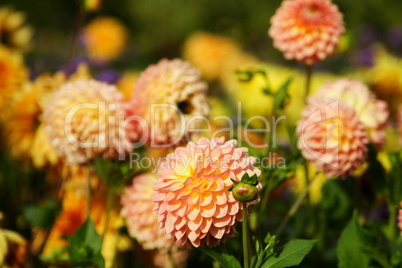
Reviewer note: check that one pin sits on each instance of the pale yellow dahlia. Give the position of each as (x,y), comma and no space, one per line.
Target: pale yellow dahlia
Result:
(138,211)
(14,33)
(167,99)
(104,39)
(12,74)
(191,196)
(331,136)
(84,119)
(215,55)
(306,30)
(373,113)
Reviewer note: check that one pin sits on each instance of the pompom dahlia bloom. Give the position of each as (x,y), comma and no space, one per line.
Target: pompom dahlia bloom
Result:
(162,92)
(84,119)
(332,137)
(191,196)
(138,211)
(373,113)
(306,30)
(104,39)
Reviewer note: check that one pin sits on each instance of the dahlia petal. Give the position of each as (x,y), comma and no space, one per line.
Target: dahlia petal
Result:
(193,212)
(209,210)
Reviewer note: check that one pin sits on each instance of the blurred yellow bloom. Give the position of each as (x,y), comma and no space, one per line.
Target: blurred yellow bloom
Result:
(92,5)
(12,248)
(126,83)
(14,33)
(215,55)
(104,39)
(300,184)
(22,118)
(12,75)
(386,77)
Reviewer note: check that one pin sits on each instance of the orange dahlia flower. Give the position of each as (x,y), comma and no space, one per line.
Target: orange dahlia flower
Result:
(84,119)
(373,113)
(141,220)
(191,196)
(306,30)
(167,96)
(332,137)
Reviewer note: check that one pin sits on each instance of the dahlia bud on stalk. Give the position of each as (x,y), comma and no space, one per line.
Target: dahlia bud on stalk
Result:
(246,190)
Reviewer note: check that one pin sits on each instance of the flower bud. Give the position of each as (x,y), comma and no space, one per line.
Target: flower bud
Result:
(244,192)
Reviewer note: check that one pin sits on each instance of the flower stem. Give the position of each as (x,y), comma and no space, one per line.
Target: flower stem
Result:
(295,206)
(245,237)
(88,186)
(308,81)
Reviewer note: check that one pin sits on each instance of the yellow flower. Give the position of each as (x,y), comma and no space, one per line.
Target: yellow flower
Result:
(12,74)
(300,184)
(104,39)
(214,55)
(15,254)
(14,33)
(126,83)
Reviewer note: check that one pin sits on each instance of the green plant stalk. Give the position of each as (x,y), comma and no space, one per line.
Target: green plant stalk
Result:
(295,207)
(308,81)
(88,205)
(245,237)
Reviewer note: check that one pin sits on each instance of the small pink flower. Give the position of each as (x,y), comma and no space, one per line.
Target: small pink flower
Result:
(373,113)
(191,196)
(138,212)
(332,137)
(400,218)
(306,30)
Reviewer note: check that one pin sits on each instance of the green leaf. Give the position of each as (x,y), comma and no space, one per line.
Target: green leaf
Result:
(227,261)
(281,96)
(394,178)
(85,246)
(42,216)
(108,171)
(253,180)
(292,254)
(350,250)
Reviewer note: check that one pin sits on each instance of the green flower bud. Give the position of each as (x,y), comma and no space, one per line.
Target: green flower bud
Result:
(245,192)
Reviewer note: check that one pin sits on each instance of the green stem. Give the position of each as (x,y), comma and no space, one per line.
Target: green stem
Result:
(171,260)
(308,81)
(245,237)
(88,186)
(295,206)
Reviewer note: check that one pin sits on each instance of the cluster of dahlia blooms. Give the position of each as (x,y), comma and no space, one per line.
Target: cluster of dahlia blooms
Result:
(306,30)
(337,124)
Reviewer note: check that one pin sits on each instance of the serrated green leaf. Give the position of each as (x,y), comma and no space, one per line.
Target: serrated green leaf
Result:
(292,254)
(227,261)
(108,171)
(350,250)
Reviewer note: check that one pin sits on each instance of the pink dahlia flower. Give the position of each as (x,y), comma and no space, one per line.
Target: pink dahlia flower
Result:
(306,30)
(167,96)
(84,119)
(138,211)
(373,113)
(191,196)
(332,137)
